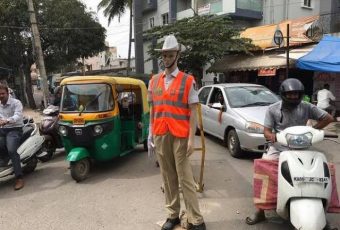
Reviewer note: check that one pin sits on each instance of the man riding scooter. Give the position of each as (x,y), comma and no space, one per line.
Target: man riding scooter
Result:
(290,111)
(11,123)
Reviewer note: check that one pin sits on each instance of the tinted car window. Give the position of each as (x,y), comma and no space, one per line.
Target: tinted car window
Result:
(250,96)
(203,95)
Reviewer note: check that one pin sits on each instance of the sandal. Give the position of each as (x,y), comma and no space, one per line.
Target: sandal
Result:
(258,217)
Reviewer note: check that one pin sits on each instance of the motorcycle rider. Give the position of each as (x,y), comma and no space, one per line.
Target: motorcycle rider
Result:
(290,111)
(57,96)
(11,123)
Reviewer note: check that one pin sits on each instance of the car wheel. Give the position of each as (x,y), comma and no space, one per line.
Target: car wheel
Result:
(234,144)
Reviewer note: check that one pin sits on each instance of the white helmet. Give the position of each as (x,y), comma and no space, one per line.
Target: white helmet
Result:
(171,44)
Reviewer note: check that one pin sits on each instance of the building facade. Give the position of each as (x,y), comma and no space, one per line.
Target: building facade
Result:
(245,13)
(152,13)
(275,11)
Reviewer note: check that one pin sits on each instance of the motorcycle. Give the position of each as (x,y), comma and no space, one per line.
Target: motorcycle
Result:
(49,129)
(29,151)
(304,179)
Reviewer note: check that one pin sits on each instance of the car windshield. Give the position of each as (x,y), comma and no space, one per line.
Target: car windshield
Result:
(87,98)
(247,96)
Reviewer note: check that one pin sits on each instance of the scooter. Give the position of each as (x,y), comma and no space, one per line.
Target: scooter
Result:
(49,129)
(304,179)
(29,151)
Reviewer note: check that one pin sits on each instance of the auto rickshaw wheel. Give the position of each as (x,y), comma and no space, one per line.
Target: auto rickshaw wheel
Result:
(145,144)
(30,166)
(80,169)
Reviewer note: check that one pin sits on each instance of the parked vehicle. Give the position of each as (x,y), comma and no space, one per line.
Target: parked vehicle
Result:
(29,150)
(304,179)
(95,126)
(49,129)
(235,113)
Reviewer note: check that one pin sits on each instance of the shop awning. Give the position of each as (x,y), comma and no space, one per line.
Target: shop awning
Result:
(243,62)
(325,57)
(297,53)
(262,36)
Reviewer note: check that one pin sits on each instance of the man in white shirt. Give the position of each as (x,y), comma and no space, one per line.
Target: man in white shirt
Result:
(324,97)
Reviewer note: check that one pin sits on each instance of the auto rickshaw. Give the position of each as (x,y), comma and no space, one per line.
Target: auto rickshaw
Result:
(101,117)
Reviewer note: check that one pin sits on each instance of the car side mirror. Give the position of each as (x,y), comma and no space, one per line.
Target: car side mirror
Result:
(217,105)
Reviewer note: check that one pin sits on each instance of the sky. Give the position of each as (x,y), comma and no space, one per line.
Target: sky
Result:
(117,34)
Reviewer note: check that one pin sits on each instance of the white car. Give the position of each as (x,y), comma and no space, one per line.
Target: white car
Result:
(234,112)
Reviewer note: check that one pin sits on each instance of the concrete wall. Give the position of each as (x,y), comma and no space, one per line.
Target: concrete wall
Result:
(275,11)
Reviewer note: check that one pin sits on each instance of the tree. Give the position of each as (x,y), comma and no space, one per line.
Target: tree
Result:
(206,38)
(67,32)
(116,8)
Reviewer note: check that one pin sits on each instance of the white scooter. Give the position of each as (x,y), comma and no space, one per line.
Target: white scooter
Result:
(304,179)
(29,150)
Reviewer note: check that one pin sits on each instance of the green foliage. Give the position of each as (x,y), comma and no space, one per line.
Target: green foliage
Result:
(207,38)
(67,32)
(114,8)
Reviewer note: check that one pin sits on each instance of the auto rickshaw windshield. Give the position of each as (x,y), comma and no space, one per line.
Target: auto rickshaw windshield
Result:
(87,98)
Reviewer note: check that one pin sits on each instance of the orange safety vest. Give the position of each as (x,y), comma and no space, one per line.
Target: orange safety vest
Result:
(170,108)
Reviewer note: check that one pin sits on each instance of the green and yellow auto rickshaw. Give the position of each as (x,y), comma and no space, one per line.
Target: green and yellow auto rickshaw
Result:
(101,117)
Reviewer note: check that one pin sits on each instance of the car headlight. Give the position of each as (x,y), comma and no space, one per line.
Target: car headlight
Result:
(299,141)
(63,130)
(98,129)
(252,127)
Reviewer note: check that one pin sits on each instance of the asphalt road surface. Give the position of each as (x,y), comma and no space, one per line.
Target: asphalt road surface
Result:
(125,194)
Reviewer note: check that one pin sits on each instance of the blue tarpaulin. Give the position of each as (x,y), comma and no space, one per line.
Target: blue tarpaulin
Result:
(325,57)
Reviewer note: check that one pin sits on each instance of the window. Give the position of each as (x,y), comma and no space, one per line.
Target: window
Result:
(87,98)
(216,97)
(203,95)
(307,3)
(152,22)
(165,18)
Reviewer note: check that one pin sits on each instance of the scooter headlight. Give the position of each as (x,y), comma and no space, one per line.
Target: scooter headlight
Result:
(299,141)
(63,130)
(98,129)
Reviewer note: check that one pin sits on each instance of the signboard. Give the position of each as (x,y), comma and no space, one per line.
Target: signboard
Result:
(204,9)
(266,72)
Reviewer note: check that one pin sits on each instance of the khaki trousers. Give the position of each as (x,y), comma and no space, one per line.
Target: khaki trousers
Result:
(176,169)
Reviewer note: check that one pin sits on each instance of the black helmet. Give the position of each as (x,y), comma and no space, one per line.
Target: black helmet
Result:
(292,85)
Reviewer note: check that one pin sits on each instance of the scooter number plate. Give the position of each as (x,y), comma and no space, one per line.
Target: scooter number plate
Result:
(312,179)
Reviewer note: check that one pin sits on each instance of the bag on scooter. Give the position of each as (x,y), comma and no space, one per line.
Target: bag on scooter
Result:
(265,185)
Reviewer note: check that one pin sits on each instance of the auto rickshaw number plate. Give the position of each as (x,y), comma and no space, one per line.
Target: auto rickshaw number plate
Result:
(78,121)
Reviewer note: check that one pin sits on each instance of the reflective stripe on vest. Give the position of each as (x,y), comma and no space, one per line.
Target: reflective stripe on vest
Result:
(170,106)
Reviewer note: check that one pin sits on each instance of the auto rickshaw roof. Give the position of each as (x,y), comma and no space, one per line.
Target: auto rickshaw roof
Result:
(104,79)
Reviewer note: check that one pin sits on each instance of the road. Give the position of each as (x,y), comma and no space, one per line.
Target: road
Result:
(125,194)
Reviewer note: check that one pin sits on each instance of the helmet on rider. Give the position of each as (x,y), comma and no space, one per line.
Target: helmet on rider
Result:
(291,92)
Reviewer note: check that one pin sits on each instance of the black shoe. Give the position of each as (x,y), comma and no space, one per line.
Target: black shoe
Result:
(197,227)
(170,224)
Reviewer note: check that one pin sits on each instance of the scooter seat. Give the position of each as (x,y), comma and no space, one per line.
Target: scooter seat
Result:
(26,132)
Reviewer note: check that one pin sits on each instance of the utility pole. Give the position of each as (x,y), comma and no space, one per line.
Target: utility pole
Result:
(38,50)
(287,65)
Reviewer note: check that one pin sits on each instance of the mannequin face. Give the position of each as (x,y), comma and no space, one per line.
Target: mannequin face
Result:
(170,57)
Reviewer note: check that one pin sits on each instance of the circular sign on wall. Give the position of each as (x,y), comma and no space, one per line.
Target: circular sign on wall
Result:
(278,37)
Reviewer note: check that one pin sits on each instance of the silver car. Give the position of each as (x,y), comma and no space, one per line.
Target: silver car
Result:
(234,112)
